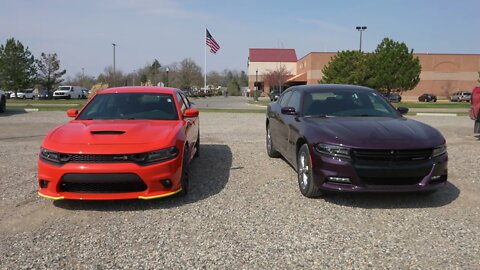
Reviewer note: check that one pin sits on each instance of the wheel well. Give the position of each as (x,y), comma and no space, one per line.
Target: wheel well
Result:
(300,142)
(267,123)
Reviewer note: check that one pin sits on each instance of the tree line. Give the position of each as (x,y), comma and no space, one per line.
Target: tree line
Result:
(19,69)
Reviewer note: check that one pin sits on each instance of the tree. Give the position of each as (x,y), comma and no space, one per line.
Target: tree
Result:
(393,67)
(276,78)
(347,67)
(108,77)
(154,71)
(17,68)
(189,74)
(49,73)
(233,88)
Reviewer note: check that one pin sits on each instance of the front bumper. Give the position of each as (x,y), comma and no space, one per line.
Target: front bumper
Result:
(52,180)
(413,176)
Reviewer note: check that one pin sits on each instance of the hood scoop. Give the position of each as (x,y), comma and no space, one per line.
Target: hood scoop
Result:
(107,132)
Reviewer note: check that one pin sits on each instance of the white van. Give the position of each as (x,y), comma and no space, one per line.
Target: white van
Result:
(68,92)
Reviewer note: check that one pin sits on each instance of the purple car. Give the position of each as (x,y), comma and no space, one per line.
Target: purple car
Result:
(347,138)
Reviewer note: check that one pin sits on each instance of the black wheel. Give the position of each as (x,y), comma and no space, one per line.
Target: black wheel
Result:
(271,151)
(197,146)
(476,127)
(2,104)
(24,97)
(184,181)
(305,174)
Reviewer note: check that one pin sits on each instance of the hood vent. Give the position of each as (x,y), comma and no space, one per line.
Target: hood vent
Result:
(107,132)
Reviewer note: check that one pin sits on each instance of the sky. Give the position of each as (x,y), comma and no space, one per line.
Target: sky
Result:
(82,32)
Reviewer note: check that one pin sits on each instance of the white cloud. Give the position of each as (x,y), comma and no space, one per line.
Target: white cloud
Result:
(165,8)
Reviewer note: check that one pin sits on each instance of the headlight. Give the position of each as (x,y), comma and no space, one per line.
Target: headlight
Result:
(51,156)
(156,156)
(440,150)
(333,150)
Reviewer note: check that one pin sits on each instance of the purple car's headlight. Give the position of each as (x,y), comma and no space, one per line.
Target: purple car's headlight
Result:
(440,150)
(335,151)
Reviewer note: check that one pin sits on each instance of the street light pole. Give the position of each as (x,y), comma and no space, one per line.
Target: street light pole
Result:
(361,29)
(114,76)
(167,70)
(256,86)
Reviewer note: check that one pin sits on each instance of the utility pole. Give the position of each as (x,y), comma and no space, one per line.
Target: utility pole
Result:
(361,29)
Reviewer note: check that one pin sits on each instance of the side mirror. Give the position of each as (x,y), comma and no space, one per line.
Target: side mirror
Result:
(72,113)
(402,110)
(190,113)
(289,111)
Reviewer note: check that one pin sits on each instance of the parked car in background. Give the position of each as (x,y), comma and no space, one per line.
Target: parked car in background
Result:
(44,95)
(126,143)
(345,138)
(3,101)
(274,95)
(427,98)
(461,96)
(393,97)
(85,93)
(475,109)
(68,92)
(24,94)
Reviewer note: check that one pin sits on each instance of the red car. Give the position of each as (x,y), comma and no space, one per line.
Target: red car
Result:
(126,143)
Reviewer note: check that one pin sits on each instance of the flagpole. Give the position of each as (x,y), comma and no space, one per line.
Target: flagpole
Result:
(205,75)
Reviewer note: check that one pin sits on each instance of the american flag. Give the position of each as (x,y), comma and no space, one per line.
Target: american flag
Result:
(214,47)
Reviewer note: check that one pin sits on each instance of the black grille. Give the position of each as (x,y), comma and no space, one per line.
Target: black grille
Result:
(83,158)
(392,155)
(397,181)
(101,183)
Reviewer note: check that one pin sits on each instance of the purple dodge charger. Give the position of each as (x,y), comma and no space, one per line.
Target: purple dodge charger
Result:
(346,138)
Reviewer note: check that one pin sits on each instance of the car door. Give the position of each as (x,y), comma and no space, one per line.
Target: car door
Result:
(277,123)
(292,126)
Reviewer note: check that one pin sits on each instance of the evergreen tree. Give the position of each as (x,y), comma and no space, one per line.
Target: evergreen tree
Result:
(49,73)
(17,66)
(347,67)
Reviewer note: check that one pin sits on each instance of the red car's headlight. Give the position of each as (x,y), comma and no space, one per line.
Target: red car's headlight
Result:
(155,156)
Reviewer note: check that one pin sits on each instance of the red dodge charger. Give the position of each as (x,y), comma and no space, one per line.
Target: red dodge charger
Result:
(126,143)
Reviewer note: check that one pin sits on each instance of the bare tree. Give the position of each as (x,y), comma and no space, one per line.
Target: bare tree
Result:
(276,78)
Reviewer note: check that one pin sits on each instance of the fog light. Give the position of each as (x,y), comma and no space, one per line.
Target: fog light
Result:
(43,183)
(344,180)
(166,183)
(436,177)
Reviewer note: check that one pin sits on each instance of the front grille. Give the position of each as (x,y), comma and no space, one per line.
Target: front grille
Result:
(101,183)
(391,155)
(396,181)
(85,158)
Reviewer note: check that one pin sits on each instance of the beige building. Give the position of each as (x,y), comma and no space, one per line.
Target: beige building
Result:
(442,74)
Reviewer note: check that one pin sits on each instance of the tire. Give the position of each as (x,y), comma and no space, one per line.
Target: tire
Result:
(307,186)
(197,146)
(476,126)
(271,151)
(184,181)
(2,104)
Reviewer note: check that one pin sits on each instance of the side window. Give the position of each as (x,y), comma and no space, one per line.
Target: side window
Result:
(181,103)
(284,99)
(295,101)
(185,100)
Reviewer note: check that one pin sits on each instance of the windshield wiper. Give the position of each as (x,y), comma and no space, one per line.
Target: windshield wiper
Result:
(320,116)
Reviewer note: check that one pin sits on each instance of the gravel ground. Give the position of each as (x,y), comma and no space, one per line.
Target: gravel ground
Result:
(244,212)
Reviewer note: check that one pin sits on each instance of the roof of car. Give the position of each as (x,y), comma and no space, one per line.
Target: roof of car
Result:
(330,87)
(140,89)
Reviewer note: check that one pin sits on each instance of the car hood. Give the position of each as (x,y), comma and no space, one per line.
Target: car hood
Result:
(112,136)
(373,132)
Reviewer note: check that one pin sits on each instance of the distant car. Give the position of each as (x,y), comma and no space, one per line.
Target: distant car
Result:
(3,101)
(427,98)
(68,92)
(85,93)
(393,97)
(44,95)
(274,95)
(345,138)
(126,143)
(24,94)
(461,96)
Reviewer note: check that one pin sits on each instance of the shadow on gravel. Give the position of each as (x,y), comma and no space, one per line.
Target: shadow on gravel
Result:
(10,112)
(209,174)
(442,197)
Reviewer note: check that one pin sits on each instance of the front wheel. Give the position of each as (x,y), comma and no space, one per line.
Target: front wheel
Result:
(2,105)
(307,186)
(271,151)
(476,127)
(184,181)
(197,146)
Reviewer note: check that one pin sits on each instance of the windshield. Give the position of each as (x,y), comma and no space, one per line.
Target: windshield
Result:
(347,103)
(63,88)
(150,106)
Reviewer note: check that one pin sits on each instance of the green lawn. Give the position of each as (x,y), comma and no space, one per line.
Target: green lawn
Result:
(433,105)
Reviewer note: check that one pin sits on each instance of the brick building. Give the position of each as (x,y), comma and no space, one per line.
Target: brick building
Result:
(442,74)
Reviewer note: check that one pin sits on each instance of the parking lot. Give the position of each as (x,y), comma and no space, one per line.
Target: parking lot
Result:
(244,211)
